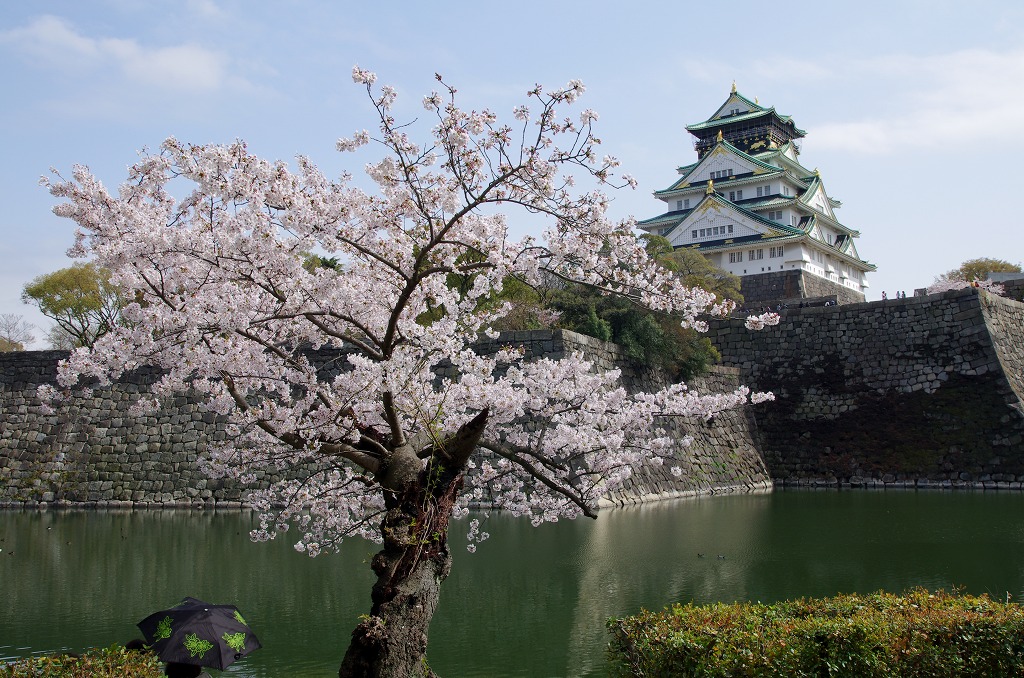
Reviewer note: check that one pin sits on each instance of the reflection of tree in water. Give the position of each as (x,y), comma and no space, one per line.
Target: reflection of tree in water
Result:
(647,557)
(537,598)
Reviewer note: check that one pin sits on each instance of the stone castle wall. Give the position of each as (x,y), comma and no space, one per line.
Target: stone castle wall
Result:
(1014,289)
(93,452)
(923,391)
(775,287)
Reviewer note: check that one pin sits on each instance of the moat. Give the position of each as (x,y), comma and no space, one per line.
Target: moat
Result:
(530,602)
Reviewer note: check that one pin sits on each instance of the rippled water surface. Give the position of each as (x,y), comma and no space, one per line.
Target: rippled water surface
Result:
(530,602)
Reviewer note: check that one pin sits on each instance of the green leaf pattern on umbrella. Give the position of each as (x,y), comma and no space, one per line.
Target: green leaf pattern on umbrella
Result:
(196,645)
(187,632)
(163,629)
(236,641)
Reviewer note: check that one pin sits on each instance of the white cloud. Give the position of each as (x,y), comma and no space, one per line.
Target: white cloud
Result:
(181,67)
(933,102)
(51,41)
(206,8)
(50,38)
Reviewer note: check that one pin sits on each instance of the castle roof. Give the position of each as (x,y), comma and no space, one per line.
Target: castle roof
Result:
(739,109)
(754,167)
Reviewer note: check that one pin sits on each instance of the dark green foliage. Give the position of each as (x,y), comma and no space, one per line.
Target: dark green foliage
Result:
(311,262)
(647,338)
(113,662)
(693,267)
(913,635)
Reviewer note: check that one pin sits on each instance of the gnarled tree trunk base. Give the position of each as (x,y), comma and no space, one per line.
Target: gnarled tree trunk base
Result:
(392,641)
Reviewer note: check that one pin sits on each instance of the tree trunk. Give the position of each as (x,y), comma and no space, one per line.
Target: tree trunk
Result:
(392,641)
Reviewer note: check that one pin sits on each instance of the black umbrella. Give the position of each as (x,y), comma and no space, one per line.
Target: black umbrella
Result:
(194,632)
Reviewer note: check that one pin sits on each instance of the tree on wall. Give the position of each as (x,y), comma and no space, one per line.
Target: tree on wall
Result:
(222,302)
(81,299)
(15,333)
(973,272)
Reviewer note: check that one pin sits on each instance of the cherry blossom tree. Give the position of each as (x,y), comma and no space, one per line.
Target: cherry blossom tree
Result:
(332,376)
(946,284)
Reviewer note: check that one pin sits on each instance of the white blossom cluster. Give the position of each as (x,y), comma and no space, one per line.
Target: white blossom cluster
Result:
(946,284)
(223,303)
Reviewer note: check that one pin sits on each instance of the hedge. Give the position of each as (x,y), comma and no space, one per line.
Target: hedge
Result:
(882,634)
(114,662)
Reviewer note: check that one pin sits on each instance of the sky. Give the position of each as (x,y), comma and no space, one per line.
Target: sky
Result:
(914,111)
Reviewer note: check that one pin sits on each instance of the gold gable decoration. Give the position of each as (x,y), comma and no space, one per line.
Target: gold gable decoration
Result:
(706,206)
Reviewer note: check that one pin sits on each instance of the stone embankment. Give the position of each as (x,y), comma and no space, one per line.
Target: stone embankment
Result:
(92,452)
(916,392)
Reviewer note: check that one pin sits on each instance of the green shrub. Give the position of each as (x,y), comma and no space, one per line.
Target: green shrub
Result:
(114,662)
(882,634)
(647,338)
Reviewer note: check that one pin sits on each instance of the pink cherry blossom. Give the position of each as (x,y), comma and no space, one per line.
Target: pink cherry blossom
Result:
(331,375)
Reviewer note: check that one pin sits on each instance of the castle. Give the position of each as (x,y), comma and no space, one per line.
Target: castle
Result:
(752,209)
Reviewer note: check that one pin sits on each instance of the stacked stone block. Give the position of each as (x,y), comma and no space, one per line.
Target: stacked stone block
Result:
(777,287)
(917,392)
(92,452)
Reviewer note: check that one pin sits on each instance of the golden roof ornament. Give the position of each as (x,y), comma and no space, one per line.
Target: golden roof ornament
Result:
(718,137)
(733,87)
(711,187)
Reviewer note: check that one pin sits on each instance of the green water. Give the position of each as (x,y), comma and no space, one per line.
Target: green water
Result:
(530,602)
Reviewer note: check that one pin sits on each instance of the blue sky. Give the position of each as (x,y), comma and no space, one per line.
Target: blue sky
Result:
(914,110)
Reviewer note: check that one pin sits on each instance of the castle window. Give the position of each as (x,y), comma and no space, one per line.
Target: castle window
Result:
(739,195)
(755,254)
(686,204)
(679,204)
(759,190)
(768,189)
(732,195)
(735,257)
(729,227)
(694,234)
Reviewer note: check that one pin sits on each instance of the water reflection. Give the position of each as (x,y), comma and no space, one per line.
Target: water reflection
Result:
(530,602)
